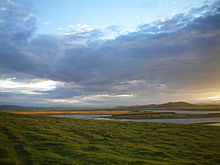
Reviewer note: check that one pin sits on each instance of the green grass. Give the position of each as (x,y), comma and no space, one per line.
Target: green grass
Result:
(161,115)
(29,139)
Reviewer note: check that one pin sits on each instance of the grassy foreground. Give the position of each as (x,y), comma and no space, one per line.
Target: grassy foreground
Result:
(29,139)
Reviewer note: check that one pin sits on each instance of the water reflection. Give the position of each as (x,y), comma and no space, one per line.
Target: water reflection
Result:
(104,117)
(183,111)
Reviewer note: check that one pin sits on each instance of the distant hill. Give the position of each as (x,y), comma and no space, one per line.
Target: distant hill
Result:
(12,107)
(165,105)
(177,104)
(169,105)
(16,107)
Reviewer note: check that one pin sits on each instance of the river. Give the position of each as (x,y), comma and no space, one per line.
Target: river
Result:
(186,121)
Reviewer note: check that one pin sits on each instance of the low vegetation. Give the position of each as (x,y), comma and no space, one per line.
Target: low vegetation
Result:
(32,139)
(161,115)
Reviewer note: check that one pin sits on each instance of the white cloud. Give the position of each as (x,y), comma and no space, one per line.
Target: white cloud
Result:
(2,9)
(83,27)
(29,16)
(65,101)
(10,2)
(71,26)
(61,28)
(34,86)
(80,99)
(106,96)
(77,29)
(45,22)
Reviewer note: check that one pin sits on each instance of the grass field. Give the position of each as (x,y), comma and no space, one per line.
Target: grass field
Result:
(32,139)
(69,112)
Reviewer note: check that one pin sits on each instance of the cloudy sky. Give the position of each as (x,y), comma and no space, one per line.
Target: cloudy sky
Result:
(85,53)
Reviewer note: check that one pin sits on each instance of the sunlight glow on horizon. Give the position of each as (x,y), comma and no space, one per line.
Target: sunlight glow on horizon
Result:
(215,98)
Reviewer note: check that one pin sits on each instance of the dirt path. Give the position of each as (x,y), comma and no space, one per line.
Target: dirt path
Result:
(18,146)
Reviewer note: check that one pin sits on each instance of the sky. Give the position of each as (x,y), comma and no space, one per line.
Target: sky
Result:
(85,53)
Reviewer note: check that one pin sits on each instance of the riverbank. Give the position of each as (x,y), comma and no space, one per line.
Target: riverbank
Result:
(161,115)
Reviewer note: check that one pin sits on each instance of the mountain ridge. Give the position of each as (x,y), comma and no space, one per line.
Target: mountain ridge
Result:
(178,104)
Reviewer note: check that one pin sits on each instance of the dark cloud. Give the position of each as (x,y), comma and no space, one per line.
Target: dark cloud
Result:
(160,58)
(17,26)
